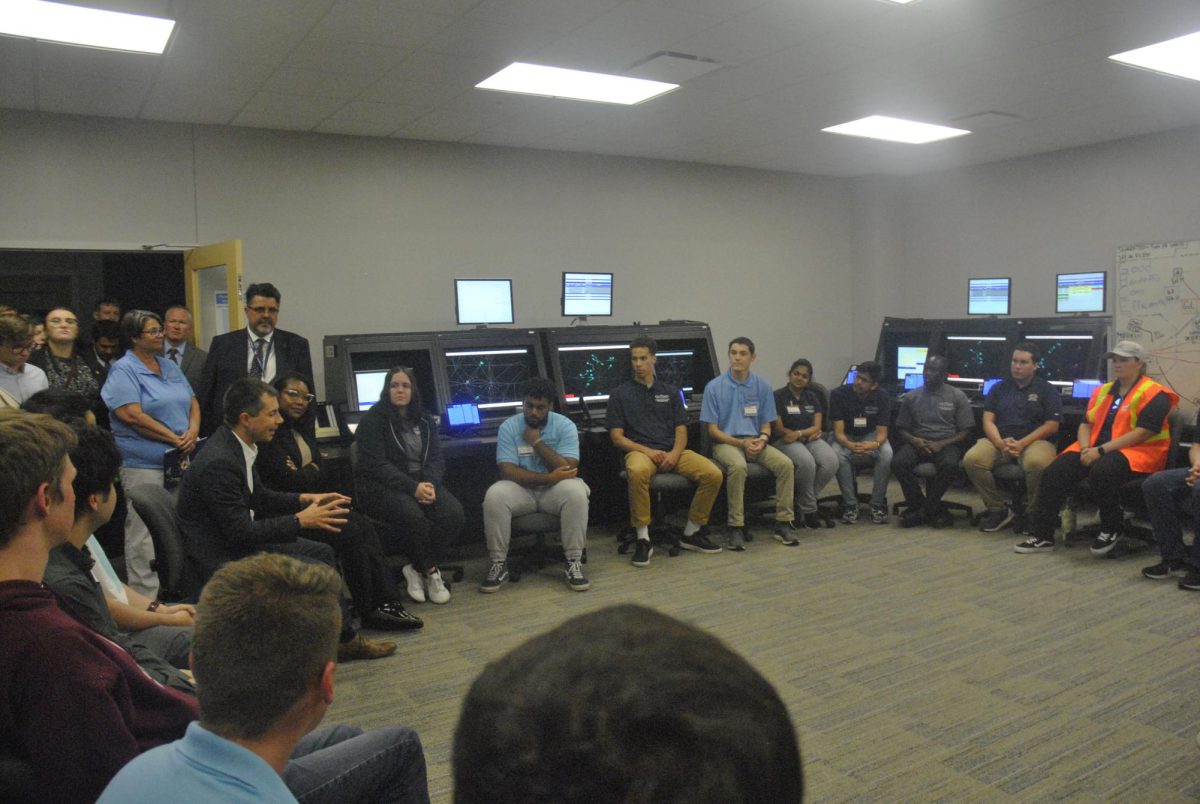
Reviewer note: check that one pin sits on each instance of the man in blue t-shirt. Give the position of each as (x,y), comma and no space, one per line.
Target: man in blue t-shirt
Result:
(738,410)
(537,452)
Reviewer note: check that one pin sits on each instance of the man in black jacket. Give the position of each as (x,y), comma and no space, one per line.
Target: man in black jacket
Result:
(260,352)
(227,513)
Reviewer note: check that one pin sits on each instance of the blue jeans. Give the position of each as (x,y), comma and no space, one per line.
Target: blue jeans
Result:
(346,764)
(1160,491)
(882,458)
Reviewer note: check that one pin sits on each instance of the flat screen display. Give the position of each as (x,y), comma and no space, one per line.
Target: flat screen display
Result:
(1064,357)
(971,357)
(913,381)
(1079,293)
(586,294)
(590,372)
(492,379)
(1082,389)
(988,385)
(462,415)
(851,374)
(910,360)
(368,385)
(988,296)
(483,301)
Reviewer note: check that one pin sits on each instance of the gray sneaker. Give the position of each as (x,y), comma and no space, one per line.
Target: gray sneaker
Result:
(993,521)
(879,516)
(575,577)
(736,540)
(497,575)
(785,533)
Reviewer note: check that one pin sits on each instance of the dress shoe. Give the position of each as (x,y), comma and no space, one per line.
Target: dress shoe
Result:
(392,616)
(362,648)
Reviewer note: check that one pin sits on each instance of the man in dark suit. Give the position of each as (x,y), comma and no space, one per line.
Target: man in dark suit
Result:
(177,345)
(260,352)
(227,513)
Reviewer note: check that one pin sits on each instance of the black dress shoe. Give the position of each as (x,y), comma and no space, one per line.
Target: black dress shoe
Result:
(392,616)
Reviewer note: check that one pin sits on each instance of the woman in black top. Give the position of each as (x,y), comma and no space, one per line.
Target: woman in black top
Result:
(798,434)
(398,479)
(291,462)
(64,360)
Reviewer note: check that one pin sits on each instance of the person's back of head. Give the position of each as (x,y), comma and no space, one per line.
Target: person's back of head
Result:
(266,629)
(69,407)
(624,705)
(34,449)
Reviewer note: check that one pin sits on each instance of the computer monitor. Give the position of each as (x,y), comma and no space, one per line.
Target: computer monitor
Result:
(910,360)
(988,296)
(913,381)
(586,294)
(464,414)
(1080,293)
(1082,389)
(988,385)
(591,371)
(685,363)
(976,357)
(483,301)
(1064,357)
(368,386)
(851,373)
(491,378)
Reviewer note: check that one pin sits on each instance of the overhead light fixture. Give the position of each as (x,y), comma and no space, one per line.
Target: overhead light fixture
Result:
(899,2)
(90,27)
(1179,57)
(895,129)
(558,82)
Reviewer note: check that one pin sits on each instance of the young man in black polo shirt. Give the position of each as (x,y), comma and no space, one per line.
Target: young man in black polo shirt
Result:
(647,421)
(861,413)
(1021,417)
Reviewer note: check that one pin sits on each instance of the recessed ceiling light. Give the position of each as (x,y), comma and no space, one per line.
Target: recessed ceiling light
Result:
(1179,57)
(900,2)
(558,82)
(895,129)
(91,27)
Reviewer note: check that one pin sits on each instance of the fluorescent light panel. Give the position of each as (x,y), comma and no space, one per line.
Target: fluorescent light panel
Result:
(90,27)
(1179,57)
(558,82)
(895,129)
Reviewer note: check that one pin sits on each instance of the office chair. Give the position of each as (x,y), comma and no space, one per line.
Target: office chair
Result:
(541,553)
(661,485)
(156,506)
(926,470)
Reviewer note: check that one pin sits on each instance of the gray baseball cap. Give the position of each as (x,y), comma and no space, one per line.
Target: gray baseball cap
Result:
(1127,349)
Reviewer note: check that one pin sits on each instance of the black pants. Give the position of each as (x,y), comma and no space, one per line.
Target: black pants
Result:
(314,552)
(946,461)
(1104,477)
(364,565)
(413,528)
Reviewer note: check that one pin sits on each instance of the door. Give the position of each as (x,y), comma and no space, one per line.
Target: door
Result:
(213,276)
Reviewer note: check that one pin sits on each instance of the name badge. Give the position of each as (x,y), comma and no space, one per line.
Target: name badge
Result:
(750,410)
(945,406)
(793,409)
(524,449)
(860,422)
(662,398)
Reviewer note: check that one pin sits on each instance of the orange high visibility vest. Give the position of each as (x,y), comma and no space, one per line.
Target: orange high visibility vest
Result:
(1150,455)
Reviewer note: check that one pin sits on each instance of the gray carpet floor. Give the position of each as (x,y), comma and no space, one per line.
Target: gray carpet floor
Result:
(918,665)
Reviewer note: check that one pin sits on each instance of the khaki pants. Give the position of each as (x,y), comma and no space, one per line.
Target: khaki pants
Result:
(692,465)
(980,459)
(734,461)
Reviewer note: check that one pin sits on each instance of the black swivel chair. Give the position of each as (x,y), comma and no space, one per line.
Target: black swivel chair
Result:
(156,506)
(662,484)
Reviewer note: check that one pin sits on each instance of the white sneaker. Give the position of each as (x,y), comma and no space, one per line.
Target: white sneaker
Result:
(436,588)
(415,583)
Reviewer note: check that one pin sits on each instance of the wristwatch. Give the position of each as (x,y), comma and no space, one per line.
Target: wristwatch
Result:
(1101,448)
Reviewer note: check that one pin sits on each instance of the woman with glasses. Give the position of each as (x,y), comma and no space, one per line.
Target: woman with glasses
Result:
(153,411)
(292,462)
(64,361)
(398,480)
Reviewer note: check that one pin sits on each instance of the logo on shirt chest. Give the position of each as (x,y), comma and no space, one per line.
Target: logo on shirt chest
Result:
(662,399)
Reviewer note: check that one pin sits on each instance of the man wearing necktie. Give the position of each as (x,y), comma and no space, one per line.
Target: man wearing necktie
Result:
(177,344)
(260,351)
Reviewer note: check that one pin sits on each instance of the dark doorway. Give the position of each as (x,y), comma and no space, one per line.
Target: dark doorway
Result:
(36,281)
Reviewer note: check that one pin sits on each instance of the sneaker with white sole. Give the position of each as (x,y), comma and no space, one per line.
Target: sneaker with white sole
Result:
(1165,569)
(786,533)
(497,575)
(850,515)
(642,551)
(998,519)
(575,577)
(1104,542)
(1034,545)
(435,588)
(414,583)
(699,542)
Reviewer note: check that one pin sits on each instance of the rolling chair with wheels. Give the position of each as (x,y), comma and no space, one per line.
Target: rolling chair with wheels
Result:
(926,470)
(661,485)
(541,553)
(156,506)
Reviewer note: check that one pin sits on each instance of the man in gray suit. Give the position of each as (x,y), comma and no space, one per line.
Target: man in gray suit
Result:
(177,344)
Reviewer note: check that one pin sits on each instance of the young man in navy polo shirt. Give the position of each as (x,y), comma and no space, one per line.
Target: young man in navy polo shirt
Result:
(739,409)
(861,413)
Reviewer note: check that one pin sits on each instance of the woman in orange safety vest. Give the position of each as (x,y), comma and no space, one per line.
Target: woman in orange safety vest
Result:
(1123,435)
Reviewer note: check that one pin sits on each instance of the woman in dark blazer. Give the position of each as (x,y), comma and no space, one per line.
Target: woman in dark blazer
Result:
(398,480)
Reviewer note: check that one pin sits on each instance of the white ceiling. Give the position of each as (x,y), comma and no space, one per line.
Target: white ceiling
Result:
(407,69)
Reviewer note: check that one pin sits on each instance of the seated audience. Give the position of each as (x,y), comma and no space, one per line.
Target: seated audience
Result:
(178,346)
(1123,435)
(1021,417)
(934,421)
(291,462)
(624,704)
(1161,491)
(738,412)
(163,633)
(861,413)
(226,512)
(264,652)
(65,359)
(74,704)
(398,478)
(19,380)
(647,421)
(537,452)
(153,411)
(798,435)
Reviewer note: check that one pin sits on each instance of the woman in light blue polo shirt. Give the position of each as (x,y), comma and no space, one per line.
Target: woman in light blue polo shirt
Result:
(153,410)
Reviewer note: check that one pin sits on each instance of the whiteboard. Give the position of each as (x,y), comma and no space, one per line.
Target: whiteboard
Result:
(1158,305)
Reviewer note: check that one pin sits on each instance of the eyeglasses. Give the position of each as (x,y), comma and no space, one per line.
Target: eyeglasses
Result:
(57,321)
(153,333)
(292,393)
(264,310)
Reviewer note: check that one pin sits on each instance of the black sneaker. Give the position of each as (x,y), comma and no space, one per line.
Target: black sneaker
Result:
(1104,542)
(1034,545)
(736,540)
(993,521)
(879,515)
(912,518)
(699,542)
(392,616)
(642,552)
(826,518)
(497,575)
(573,570)
(1191,581)
(942,519)
(785,533)
(850,515)
(814,521)
(1164,570)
